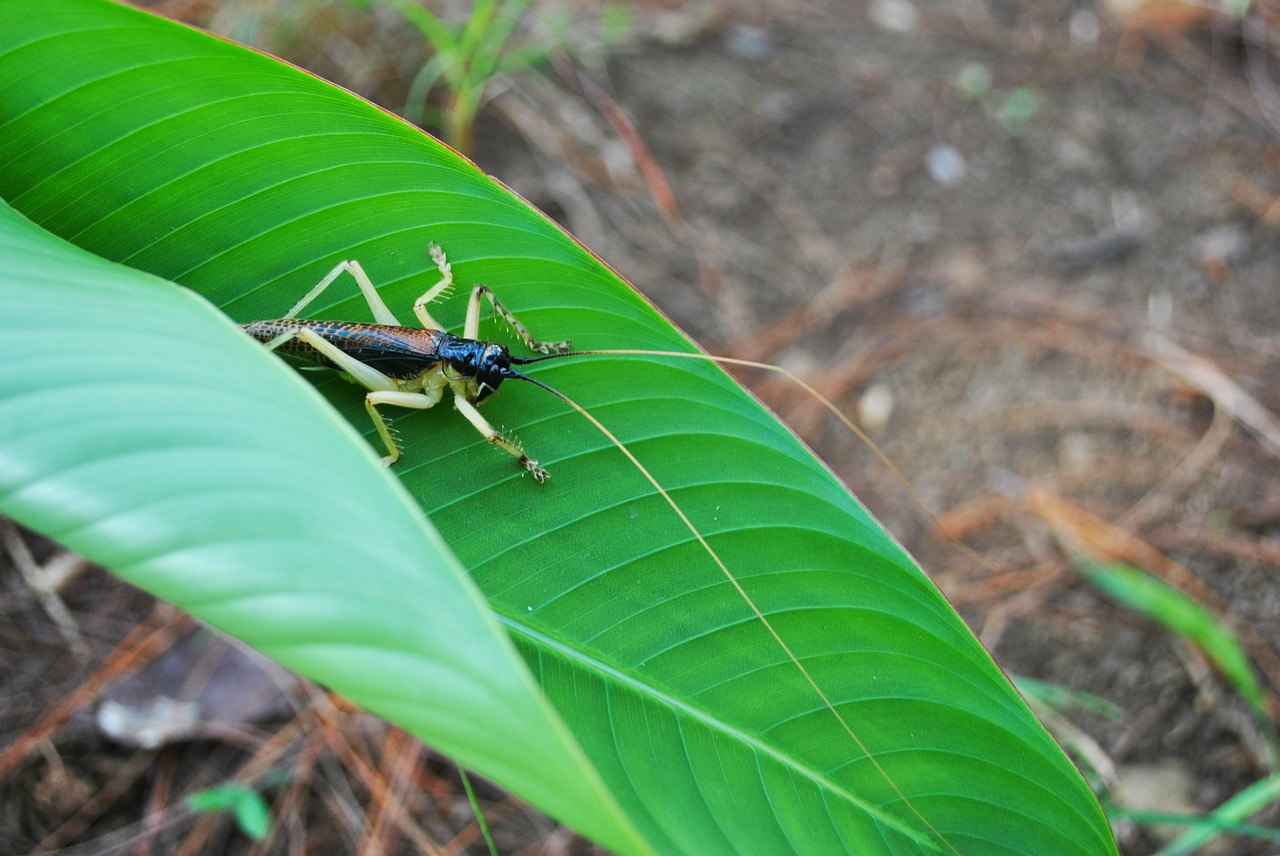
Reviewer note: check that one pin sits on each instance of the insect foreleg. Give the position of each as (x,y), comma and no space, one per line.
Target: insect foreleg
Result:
(381,313)
(507,444)
(438,290)
(471,329)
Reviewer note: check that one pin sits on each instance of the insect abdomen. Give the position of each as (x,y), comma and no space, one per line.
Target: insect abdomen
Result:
(398,352)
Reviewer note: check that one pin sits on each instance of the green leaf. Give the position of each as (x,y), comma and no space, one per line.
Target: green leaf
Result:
(1185,616)
(246,805)
(246,181)
(141,428)
(1062,698)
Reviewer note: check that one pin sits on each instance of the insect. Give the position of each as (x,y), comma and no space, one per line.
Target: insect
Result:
(409,366)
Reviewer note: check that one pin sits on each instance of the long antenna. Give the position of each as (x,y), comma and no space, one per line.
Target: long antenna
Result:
(715,557)
(752,364)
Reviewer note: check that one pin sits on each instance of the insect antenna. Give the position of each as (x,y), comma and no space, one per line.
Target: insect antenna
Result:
(706,546)
(751,364)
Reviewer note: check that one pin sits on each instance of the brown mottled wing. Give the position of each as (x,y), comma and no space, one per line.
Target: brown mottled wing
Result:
(398,352)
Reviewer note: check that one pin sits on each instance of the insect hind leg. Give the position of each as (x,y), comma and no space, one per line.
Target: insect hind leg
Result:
(382,389)
(377,306)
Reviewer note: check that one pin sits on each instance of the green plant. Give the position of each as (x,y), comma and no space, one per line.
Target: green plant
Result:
(1013,109)
(140,427)
(245,804)
(1185,616)
(1016,110)
(468,58)
(1062,699)
(1226,819)
(1196,624)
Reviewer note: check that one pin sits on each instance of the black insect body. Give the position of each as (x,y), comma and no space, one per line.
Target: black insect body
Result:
(410,366)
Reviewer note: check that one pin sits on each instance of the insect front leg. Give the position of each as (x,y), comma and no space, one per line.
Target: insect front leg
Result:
(377,306)
(471,329)
(438,290)
(507,444)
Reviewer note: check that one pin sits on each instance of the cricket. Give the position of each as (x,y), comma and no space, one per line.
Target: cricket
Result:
(410,367)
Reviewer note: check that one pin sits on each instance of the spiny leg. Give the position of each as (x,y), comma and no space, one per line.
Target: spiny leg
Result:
(370,378)
(381,313)
(471,329)
(507,444)
(411,400)
(440,289)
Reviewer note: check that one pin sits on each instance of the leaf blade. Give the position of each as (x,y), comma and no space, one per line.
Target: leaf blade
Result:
(183,456)
(624,618)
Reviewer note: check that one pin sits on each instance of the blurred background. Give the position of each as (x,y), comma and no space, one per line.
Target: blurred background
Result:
(1030,244)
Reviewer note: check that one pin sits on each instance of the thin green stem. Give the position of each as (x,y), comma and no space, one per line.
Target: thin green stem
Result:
(475,807)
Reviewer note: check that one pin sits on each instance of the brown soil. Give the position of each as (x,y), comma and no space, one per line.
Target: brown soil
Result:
(983,290)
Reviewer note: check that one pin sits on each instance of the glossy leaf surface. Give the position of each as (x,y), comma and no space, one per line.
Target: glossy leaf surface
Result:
(246,181)
(140,427)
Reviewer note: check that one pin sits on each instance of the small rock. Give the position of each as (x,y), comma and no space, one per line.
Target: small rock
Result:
(1109,245)
(896,16)
(158,721)
(1084,27)
(749,41)
(875,407)
(1166,787)
(1076,451)
(946,165)
(1220,248)
(974,81)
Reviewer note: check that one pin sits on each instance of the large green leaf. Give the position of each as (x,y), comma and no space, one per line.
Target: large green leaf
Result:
(140,426)
(246,181)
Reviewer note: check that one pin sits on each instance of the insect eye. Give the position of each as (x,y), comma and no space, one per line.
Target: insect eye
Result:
(497,356)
